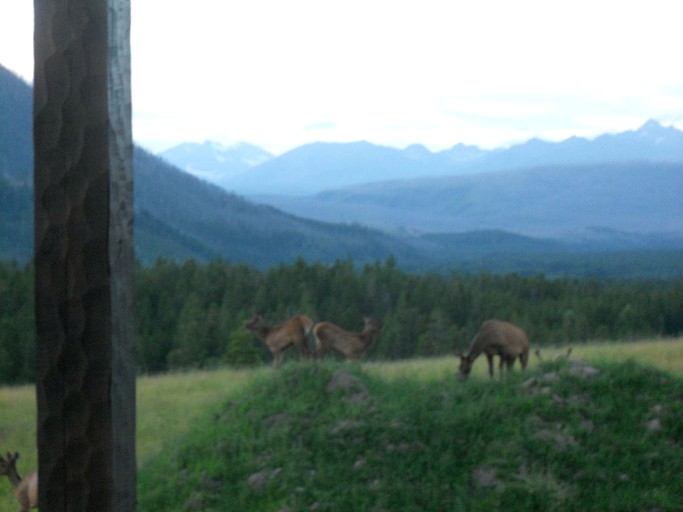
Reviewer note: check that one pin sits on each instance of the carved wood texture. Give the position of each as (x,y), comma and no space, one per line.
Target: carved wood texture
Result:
(85,369)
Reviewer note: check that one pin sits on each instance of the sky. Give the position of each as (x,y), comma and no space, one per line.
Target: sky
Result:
(279,74)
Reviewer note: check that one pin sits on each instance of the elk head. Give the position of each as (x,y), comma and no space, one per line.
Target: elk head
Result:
(465,367)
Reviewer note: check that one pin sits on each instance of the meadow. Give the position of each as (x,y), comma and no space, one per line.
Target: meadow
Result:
(182,416)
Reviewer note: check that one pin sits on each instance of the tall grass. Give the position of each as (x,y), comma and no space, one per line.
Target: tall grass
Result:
(168,405)
(664,354)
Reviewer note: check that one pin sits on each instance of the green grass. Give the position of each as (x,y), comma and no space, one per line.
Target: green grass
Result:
(168,407)
(561,443)
(420,441)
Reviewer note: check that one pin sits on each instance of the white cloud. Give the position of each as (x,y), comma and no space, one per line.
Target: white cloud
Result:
(393,72)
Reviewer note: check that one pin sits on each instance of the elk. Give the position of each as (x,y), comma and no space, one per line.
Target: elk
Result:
(351,345)
(25,490)
(496,338)
(280,337)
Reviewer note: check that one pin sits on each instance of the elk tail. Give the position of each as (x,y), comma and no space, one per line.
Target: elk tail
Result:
(308,326)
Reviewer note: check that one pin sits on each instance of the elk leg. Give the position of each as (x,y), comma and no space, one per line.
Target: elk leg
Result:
(490,360)
(510,363)
(277,359)
(303,349)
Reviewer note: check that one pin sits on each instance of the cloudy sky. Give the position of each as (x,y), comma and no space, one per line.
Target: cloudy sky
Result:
(280,74)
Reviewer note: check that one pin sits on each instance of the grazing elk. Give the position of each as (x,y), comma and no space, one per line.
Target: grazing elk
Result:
(351,345)
(25,490)
(280,337)
(496,338)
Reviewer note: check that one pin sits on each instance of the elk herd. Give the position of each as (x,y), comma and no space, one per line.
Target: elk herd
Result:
(495,338)
(328,337)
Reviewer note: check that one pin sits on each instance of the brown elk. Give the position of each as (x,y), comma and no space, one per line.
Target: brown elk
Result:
(26,489)
(496,338)
(351,345)
(280,337)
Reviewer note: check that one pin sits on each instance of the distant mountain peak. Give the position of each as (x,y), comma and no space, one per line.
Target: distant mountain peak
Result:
(214,161)
(217,146)
(655,129)
(654,133)
(651,125)
(417,151)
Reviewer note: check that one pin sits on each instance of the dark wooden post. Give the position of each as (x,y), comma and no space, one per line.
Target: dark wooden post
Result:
(85,375)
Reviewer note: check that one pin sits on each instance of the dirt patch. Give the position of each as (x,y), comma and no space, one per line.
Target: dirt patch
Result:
(354,389)
(345,426)
(582,369)
(561,439)
(487,477)
(258,481)
(277,423)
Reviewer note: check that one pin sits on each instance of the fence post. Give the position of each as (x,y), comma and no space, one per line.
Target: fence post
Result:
(85,367)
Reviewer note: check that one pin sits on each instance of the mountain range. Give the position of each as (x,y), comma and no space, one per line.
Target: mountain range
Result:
(323,166)
(577,190)
(569,202)
(180,216)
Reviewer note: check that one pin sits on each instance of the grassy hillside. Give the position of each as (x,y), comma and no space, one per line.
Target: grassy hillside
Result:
(404,436)
(330,437)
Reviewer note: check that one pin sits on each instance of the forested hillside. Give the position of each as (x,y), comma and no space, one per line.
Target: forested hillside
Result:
(194,315)
(16,134)
(559,202)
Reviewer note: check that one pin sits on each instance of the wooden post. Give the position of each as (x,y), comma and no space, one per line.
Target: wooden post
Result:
(85,369)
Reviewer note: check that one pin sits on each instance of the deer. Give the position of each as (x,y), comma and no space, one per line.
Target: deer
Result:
(279,338)
(496,338)
(26,489)
(351,345)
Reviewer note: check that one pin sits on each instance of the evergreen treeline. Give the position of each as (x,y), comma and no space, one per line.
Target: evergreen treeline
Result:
(191,314)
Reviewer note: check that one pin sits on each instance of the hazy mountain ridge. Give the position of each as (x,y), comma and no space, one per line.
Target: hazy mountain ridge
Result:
(231,227)
(559,202)
(320,166)
(215,162)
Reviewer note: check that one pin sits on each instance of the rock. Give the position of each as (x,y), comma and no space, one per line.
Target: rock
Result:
(347,382)
(582,369)
(486,477)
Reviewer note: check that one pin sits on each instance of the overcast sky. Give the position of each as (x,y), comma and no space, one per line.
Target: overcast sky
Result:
(279,74)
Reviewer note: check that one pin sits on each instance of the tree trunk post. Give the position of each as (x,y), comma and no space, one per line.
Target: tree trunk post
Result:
(85,363)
